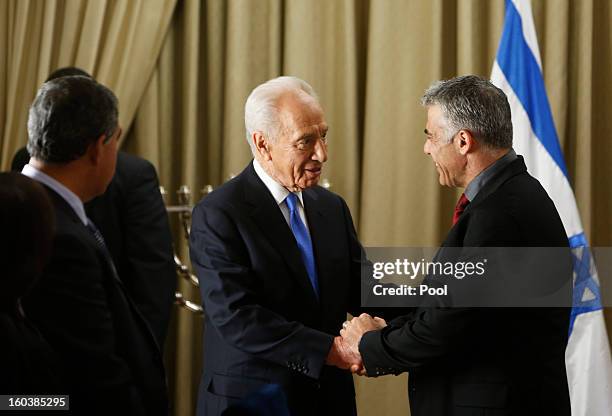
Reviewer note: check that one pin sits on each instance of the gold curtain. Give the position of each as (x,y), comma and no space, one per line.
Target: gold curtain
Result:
(116,41)
(369,60)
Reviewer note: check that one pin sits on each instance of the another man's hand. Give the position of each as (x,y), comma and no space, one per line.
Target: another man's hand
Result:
(353,330)
(342,357)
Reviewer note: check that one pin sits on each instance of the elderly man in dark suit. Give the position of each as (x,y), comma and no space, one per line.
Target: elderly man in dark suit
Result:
(477,361)
(133,221)
(279,262)
(110,359)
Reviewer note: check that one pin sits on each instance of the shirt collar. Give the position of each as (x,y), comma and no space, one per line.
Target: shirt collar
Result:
(485,176)
(278,191)
(70,197)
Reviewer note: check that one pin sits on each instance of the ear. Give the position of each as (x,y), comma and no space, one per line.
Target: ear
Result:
(262,145)
(94,151)
(465,142)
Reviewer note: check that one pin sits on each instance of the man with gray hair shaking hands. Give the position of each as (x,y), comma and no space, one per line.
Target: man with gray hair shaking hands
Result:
(475,360)
(279,265)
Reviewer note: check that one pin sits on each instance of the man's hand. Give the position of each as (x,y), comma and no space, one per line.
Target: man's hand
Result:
(353,330)
(342,357)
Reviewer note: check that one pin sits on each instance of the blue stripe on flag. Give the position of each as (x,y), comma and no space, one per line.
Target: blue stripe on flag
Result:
(523,73)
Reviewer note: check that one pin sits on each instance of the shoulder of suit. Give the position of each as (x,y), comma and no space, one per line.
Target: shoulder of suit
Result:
(229,193)
(131,171)
(128,164)
(512,198)
(522,188)
(70,230)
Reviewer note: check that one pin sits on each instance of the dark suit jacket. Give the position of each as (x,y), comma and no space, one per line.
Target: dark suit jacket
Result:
(263,323)
(109,356)
(133,220)
(28,364)
(485,361)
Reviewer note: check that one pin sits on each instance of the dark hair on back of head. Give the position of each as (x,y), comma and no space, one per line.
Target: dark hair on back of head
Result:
(67,115)
(68,71)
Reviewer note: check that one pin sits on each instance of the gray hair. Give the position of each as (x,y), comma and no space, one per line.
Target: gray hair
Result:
(67,115)
(261,109)
(473,103)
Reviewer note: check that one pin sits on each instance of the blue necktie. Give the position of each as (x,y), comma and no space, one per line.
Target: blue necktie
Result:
(303,240)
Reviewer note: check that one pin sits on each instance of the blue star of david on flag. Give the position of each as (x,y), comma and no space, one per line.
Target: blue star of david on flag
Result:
(587,297)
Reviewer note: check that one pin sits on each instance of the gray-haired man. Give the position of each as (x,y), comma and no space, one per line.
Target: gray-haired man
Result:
(110,359)
(279,265)
(475,361)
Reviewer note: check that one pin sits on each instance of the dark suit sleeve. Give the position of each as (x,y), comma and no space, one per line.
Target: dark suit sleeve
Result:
(428,333)
(148,249)
(71,308)
(230,294)
(416,340)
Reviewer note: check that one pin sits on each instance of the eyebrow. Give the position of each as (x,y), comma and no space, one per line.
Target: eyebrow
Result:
(310,135)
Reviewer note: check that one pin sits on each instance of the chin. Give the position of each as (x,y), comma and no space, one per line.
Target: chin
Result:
(309,183)
(443,183)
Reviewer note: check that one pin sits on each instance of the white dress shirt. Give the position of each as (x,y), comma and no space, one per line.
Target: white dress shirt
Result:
(70,197)
(279,192)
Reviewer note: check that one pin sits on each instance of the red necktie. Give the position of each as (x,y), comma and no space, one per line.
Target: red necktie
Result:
(460,207)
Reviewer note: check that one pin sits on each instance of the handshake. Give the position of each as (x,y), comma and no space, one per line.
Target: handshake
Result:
(344,352)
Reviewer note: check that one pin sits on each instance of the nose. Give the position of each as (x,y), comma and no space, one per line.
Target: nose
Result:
(320,151)
(426,147)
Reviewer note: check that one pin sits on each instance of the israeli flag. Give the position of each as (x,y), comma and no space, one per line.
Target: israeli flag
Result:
(518,72)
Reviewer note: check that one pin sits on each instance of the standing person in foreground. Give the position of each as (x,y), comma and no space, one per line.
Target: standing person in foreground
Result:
(28,364)
(132,218)
(279,265)
(110,359)
(469,361)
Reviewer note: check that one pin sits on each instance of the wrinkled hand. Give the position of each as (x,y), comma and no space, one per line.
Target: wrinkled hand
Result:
(353,330)
(342,357)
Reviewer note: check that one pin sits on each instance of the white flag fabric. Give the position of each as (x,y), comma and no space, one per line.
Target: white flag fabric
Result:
(517,70)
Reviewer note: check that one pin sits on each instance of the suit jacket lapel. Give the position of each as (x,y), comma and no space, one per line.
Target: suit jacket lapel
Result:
(267,215)
(516,167)
(61,204)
